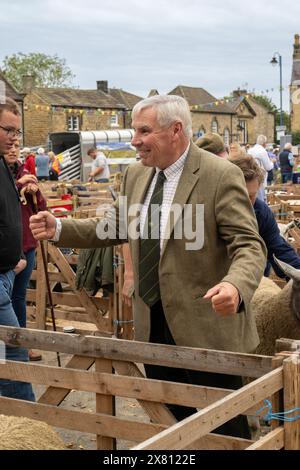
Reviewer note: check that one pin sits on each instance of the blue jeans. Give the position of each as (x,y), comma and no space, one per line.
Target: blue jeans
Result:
(19,290)
(102,180)
(12,388)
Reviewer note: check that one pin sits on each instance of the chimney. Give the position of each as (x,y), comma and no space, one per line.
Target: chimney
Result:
(296,54)
(238,92)
(28,83)
(102,85)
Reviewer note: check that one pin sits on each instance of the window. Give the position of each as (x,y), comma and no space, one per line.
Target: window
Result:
(114,121)
(226,136)
(200,133)
(73,123)
(214,126)
(242,128)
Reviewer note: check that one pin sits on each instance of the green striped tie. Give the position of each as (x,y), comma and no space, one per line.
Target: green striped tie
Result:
(150,247)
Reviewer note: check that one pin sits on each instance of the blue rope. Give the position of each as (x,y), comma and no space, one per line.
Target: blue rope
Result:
(117,261)
(122,322)
(280,416)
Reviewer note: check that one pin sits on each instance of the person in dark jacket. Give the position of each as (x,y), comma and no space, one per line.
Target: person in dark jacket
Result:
(10,244)
(26,183)
(286,159)
(268,229)
(267,225)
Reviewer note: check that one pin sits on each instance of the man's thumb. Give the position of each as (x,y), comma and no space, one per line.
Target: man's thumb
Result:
(211,292)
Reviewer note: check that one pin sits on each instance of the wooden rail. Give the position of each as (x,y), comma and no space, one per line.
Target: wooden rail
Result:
(117,374)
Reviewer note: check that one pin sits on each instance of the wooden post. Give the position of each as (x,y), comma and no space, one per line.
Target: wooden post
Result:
(291,381)
(105,404)
(277,398)
(114,313)
(41,290)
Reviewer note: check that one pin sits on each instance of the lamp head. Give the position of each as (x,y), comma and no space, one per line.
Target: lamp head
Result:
(274,61)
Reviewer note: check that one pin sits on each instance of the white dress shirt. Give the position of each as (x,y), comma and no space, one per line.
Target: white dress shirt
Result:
(172,174)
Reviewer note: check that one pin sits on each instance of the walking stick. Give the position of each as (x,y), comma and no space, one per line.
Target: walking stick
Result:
(45,265)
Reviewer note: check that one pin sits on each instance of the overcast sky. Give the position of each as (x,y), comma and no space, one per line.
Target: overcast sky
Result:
(142,44)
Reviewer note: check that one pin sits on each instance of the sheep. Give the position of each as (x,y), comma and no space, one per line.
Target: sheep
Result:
(18,433)
(277,311)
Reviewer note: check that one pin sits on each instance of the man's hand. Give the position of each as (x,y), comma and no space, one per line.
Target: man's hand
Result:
(225,298)
(43,225)
(20,266)
(127,291)
(27,179)
(32,188)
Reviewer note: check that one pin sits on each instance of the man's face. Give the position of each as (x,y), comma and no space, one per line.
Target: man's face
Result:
(93,155)
(155,144)
(14,153)
(12,122)
(252,188)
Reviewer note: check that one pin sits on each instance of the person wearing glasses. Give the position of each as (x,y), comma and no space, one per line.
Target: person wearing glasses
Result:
(27,183)
(10,244)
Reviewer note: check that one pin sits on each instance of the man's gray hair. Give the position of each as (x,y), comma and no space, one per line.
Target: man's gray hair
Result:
(261,140)
(288,146)
(169,108)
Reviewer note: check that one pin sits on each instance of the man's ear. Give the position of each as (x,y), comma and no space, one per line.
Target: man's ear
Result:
(177,128)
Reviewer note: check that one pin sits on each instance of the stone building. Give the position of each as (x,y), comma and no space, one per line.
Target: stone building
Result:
(251,119)
(237,118)
(49,110)
(295,88)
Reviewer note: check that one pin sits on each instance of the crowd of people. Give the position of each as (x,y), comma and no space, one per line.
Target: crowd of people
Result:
(190,290)
(45,166)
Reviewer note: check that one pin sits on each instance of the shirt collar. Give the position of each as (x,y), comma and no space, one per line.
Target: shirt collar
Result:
(172,171)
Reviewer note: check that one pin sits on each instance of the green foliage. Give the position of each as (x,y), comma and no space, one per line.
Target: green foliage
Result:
(49,71)
(266,102)
(296,138)
(286,121)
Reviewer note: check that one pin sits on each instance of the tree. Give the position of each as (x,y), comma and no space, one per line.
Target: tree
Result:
(268,103)
(49,71)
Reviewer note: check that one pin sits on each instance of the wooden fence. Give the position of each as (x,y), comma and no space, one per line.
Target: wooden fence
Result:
(116,373)
(87,314)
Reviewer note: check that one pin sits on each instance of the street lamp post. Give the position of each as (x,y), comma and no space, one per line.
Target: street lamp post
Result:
(274,62)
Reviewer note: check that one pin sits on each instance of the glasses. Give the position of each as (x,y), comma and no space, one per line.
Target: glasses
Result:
(12,132)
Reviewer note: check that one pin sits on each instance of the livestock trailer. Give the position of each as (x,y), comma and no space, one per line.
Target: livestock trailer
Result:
(72,148)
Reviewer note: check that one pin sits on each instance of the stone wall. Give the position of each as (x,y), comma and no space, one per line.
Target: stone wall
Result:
(37,121)
(203,121)
(262,123)
(40,120)
(295,108)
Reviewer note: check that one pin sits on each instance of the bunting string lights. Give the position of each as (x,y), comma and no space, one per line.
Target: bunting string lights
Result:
(76,110)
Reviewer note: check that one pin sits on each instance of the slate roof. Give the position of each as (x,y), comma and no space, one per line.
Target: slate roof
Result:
(77,98)
(234,103)
(11,92)
(198,96)
(126,99)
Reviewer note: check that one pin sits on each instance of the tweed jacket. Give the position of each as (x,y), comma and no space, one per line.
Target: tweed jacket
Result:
(232,251)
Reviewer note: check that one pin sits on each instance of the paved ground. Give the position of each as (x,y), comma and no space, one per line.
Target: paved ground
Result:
(84,401)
